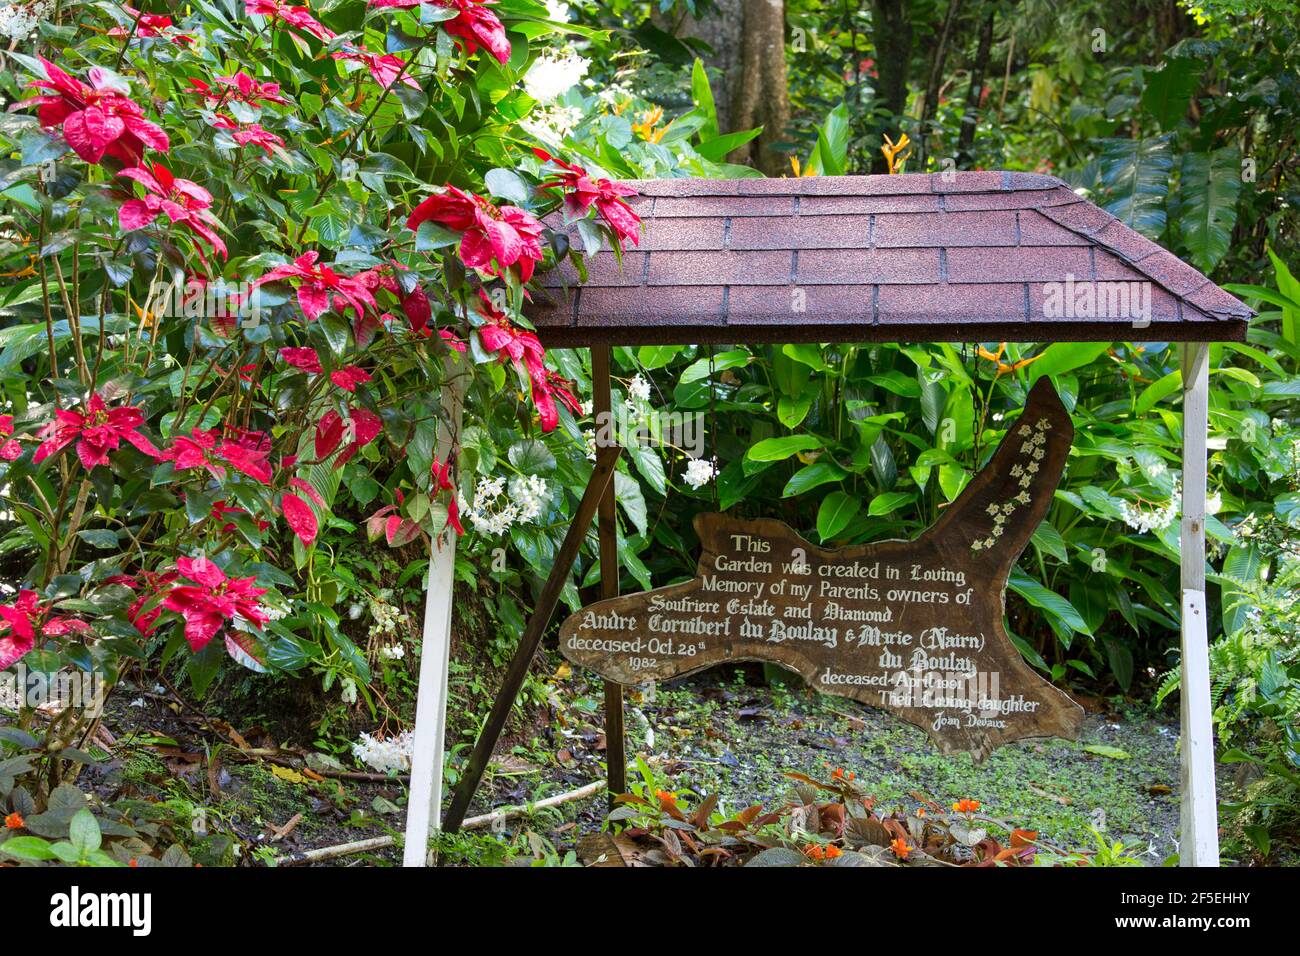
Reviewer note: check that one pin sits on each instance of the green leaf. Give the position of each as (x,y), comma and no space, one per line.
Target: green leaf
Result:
(1135,182)
(1106,750)
(27,848)
(1051,602)
(778,449)
(792,411)
(807,354)
(810,476)
(628,494)
(1161,388)
(836,511)
(883,504)
(1169,90)
(1061,357)
(84,834)
(432,235)
(506,184)
(702,94)
(531,457)
(1208,189)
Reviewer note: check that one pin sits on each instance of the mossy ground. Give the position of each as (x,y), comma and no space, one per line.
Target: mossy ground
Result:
(736,736)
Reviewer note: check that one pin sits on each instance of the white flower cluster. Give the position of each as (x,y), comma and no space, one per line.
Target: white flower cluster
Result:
(552,124)
(387,618)
(554,74)
(1143,521)
(639,388)
(392,652)
(19,21)
(383,756)
(700,471)
(497,504)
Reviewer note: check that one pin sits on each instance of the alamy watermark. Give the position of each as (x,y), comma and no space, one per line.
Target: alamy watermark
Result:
(220,299)
(1090,299)
(32,688)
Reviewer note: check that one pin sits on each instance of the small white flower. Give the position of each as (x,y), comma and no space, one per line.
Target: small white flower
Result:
(699,472)
(348,690)
(393,652)
(639,388)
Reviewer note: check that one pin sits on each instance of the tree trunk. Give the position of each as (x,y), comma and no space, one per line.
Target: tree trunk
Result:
(974,93)
(761,97)
(891,27)
(931,102)
(722,31)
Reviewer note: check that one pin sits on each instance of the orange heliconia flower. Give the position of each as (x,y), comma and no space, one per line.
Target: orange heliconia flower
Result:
(833,851)
(815,851)
(663,796)
(1005,368)
(900,848)
(965,806)
(14,821)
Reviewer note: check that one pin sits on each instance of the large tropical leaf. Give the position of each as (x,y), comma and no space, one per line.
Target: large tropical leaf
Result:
(1135,182)
(1211,183)
(1169,90)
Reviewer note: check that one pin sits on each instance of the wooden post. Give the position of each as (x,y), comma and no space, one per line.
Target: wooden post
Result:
(424,800)
(517,670)
(615,756)
(1199,845)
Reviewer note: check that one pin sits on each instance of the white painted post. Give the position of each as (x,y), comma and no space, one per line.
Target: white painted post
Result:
(424,806)
(1199,845)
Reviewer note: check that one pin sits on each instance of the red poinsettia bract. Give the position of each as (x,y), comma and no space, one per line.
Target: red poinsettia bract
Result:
(10,449)
(241,87)
(384,68)
(27,617)
(212,600)
(149,25)
(474,25)
(97,431)
(250,134)
(319,286)
(440,478)
(362,426)
(581,192)
(303,358)
(97,120)
(493,237)
(180,200)
(498,334)
(246,452)
(298,17)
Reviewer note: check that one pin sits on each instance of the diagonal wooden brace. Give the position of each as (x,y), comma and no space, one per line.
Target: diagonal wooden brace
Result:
(601,477)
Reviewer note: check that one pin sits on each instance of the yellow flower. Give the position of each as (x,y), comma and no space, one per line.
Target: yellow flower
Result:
(648,125)
(896,154)
(800,171)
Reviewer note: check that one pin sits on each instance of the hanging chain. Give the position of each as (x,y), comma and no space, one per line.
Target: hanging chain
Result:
(712,426)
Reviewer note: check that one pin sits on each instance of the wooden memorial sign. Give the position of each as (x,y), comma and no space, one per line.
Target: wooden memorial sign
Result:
(912,627)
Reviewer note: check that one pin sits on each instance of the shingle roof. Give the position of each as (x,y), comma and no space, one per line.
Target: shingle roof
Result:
(968,256)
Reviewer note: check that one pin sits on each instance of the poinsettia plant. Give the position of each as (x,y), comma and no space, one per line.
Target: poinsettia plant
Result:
(247,250)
